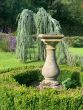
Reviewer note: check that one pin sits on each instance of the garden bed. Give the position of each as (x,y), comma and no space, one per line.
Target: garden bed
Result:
(17,92)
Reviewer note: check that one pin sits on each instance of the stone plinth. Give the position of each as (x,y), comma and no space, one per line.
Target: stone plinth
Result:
(50,70)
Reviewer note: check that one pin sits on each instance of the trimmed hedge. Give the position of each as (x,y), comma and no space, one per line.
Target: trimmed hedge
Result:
(16,92)
(22,67)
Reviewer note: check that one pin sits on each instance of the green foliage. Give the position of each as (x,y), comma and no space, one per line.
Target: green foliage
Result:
(82,69)
(74,10)
(74,41)
(69,10)
(78,42)
(4,45)
(61,53)
(26,27)
(72,82)
(45,24)
(7,100)
(15,96)
(29,78)
(29,24)
(8,17)
(64,56)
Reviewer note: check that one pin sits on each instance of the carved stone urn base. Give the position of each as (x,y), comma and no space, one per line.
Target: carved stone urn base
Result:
(49,84)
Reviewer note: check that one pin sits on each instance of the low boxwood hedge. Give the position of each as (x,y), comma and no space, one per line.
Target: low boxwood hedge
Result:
(16,92)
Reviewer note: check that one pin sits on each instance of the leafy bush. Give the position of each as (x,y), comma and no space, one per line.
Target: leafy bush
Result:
(78,42)
(74,41)
(14,95)
(72,82)
(7,42)
(3,45)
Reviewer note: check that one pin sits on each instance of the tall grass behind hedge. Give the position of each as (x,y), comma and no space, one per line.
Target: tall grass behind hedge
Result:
(3,45)
(75,41)
(7,43)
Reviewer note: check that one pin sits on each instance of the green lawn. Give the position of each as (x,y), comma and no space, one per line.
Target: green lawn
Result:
(8,61)
(76,51)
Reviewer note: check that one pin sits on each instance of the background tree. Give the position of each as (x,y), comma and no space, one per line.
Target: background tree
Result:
(68,12)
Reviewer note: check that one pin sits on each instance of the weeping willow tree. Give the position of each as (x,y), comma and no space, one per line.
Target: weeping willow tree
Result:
(26,27)
(30,23)
(45,24)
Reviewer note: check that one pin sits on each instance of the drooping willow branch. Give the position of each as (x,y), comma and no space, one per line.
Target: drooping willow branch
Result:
(26,27)
(45,24)
(30,23)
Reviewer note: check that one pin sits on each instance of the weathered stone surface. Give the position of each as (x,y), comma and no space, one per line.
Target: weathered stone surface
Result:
(50,70)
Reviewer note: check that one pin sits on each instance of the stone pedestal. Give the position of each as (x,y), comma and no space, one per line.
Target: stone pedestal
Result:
(50,70)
